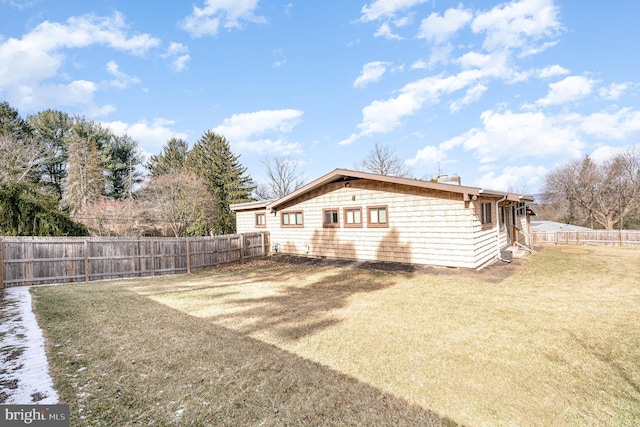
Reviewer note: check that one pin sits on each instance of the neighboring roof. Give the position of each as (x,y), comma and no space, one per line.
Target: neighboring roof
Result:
(260,204)
(555,226)
(344,175)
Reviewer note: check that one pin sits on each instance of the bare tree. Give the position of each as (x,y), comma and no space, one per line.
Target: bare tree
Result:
(606,193)
(181,202)
(382,160)
(19,160)
(282,178)
(111,217)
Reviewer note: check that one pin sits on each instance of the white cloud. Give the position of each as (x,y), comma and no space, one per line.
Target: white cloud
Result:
(179,56)
(420,64)
(280,58)
(385,31)
(180,63)
(122,80)
(371,72)
(77,93)
(513,178)
(249,131)
(572,88)
(607,125)
(439,29)
(510,136)
(614,91)
(383,116)
(387,8)
(208,19)
(266,145)
(518,25)
(150,135)
(428,156)
(518,135)
(605,152)
(473,95)
(553,71)
(38,56)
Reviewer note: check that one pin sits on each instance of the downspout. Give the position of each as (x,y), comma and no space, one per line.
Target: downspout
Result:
(498,229)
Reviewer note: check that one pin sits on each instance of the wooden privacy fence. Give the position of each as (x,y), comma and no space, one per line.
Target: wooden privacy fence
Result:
(591,237)
(37,260)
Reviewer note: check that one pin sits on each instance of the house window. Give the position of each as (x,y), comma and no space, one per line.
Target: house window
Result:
(377,216)
(486,213)
(261,220)
(330,218)
(353,217)
(291,219)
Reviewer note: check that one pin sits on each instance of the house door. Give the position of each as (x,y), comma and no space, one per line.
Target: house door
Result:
(509,217)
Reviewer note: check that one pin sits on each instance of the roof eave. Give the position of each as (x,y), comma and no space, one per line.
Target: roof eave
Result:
(345,173)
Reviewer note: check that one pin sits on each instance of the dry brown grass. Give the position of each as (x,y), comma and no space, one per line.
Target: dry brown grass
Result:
(556,343)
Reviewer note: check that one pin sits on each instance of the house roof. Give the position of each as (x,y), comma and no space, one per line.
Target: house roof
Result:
(345,175)
(247,206)
(555,226)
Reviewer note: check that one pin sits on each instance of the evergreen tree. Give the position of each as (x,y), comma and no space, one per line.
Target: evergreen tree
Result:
(12,125)
(25,212)
(123,158)
(91,130)
(212,159)
(171,160)
(52,130)
(85,181)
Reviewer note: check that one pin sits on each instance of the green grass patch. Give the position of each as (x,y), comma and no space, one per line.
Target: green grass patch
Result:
(555,343)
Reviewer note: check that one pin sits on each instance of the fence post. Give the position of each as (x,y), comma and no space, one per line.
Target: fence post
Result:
(188,257)
(153,257)
(262,244)
(621,238)
(242,249)
(1,271)
(87,276)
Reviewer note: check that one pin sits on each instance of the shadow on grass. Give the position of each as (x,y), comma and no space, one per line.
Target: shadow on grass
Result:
(143,362)
(300,310)
(608,360)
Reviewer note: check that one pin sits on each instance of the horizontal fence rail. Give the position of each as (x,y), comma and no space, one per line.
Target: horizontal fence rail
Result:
(629,238)
(37,260)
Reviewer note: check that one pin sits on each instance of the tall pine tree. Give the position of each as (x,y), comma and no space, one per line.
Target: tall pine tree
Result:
(85,181)
(172,159)
(123,159)
(52,130)
(212,159)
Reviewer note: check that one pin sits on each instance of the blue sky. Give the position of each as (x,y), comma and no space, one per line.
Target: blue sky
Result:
(499,93)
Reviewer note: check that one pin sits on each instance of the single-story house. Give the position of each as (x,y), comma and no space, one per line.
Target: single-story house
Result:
(362,216)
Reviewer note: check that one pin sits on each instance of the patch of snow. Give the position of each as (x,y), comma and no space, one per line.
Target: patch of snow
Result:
(24,362)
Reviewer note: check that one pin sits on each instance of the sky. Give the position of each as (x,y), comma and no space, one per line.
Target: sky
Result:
(498,93)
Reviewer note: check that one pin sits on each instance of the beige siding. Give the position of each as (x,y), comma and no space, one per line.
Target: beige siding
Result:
(425,226)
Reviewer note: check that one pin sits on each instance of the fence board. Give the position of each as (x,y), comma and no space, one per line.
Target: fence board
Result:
(36,260)
(626,238)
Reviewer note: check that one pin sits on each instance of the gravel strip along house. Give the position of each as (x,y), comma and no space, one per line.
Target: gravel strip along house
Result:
(361,216)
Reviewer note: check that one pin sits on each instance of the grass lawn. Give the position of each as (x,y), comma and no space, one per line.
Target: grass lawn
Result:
(555,343)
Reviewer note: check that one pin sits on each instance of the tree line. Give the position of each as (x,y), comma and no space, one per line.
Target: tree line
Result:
(602,195)
(63,175)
